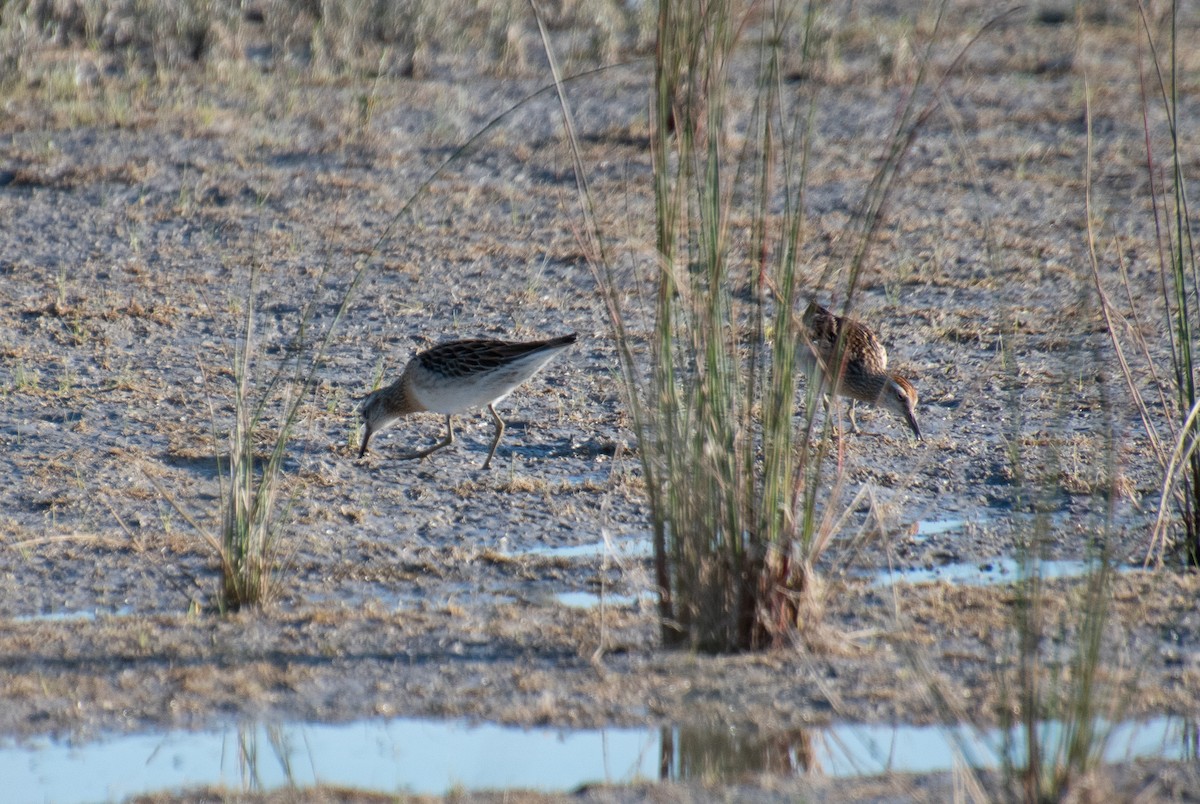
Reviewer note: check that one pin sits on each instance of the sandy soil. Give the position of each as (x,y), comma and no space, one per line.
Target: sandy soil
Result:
(134,211)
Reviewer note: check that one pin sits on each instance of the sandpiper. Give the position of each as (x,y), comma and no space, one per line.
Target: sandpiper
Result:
(863,375)
(456,377)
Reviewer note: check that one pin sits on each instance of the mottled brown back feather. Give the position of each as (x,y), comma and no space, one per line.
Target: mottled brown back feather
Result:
(464,358)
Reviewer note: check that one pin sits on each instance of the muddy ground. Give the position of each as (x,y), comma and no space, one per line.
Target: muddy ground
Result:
(134,210)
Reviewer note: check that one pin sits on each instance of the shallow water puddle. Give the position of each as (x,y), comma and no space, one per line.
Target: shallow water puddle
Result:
(634,548)
(436,757)
(591,600)
(993,572)
(982,573)
(935,527)
(68,616)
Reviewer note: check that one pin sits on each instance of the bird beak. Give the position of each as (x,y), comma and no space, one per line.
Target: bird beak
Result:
(366,438)
(910,416)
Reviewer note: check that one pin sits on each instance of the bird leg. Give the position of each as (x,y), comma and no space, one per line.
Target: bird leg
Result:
(445,442)
(833,420)
(496,440)
(833,413)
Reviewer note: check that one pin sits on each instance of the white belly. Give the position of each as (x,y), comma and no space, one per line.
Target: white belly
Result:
(459,396)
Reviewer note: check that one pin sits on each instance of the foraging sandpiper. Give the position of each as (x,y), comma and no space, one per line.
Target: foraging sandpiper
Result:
(863,375)
(455,377)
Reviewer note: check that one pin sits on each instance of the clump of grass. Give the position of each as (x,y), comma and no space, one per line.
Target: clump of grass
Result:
(732,482)
(740,508)
(252,521)
(1175,449)
(24,379)
(1057,726)
(1061,712)
(1059,715)
(1059,702)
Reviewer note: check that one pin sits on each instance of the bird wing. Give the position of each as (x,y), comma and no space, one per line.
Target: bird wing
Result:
(470,357)
(861,350)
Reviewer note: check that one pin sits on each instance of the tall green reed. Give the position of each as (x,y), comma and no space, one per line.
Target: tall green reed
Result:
(1175,447)
(1060,709)
(740,504)
(267,405)
(717,442)
(1058,670)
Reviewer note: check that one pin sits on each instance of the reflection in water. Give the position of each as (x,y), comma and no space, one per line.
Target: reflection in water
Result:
(723,754)
(248,759)
(406,756)
(1191,739)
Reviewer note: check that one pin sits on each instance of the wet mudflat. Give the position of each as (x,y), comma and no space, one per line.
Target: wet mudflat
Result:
(418,597)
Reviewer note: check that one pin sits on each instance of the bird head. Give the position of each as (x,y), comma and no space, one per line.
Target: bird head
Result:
(374,418)
(900,397)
